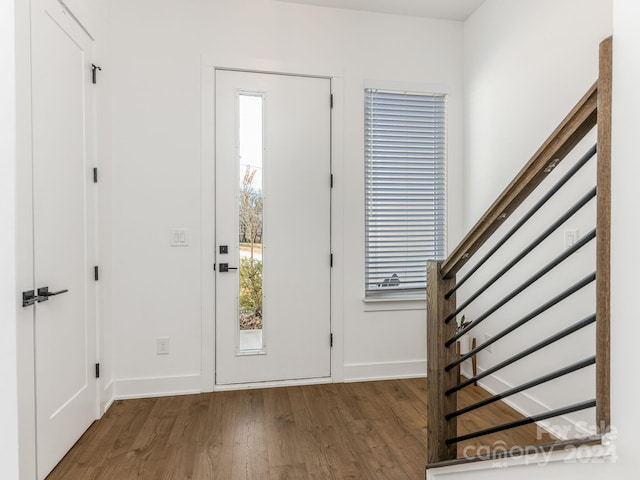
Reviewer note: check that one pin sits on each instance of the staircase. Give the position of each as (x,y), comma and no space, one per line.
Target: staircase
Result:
(507,275)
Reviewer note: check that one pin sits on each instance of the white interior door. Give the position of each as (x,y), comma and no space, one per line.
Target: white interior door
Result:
(64,242)
(273,198)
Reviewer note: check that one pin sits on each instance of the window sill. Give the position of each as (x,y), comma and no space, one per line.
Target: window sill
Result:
(395,302)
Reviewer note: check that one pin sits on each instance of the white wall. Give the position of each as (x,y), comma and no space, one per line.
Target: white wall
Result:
(155,67)
(625,256)
(526,64)
(625,260)
(8,294)
(524,70)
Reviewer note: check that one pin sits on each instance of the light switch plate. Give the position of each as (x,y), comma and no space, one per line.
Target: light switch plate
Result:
(571,236)
(179,237)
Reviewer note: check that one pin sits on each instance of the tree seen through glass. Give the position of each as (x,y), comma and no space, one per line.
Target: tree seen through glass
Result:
(250,144)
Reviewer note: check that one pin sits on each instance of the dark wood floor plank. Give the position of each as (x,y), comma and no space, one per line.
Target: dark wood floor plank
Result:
(368,431)
(289,472)
(119,454)
(281,429)
(380,432)
(332,419)
(311,435)
(151,444)
(250,454)
(215,452)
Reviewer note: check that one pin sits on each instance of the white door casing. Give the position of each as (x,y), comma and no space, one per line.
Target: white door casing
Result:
(297,243)
(64,237)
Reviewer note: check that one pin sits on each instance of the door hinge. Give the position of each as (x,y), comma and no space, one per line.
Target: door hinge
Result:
(93,73)
(331,260)
(331,339)
(95,174)
(331,100)
(97,370)
(96,275)
(331,181)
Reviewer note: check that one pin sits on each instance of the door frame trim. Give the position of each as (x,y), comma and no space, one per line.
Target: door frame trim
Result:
(209,65)
(24,245)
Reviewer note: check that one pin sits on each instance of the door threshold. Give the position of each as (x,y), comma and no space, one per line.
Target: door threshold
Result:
(273,384)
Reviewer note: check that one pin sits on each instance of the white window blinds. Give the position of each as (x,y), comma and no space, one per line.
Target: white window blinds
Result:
(405,205)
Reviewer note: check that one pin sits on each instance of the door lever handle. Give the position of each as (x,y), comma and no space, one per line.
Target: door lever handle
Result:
(224,267)
(30,297)
(44,294)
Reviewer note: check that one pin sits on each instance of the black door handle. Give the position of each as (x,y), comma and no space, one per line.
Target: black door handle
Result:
(30,297)
(224,267)
(44,293)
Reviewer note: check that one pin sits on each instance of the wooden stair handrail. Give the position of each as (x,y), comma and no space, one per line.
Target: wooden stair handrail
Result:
(571,130)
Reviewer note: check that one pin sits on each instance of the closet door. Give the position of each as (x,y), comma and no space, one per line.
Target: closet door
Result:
(64,239)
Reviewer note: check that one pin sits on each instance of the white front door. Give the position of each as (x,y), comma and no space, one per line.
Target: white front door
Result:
(273,167)
(64,242)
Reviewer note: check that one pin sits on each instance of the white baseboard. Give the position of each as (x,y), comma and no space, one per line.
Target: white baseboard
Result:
(366,372)
(107,398)
(187,385)
(156,387)
(191,384)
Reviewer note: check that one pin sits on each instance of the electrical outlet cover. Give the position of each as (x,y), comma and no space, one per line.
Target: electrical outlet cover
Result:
(162,346)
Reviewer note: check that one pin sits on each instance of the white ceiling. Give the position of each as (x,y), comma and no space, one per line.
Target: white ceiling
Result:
(445,9)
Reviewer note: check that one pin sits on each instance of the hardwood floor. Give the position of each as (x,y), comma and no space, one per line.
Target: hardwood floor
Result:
(373,430)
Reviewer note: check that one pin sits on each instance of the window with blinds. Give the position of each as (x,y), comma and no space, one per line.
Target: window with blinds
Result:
(405,187)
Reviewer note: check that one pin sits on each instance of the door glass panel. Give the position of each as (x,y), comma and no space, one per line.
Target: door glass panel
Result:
(250,143)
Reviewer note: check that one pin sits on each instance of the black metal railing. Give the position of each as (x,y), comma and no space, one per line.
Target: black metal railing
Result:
(543,308)
(526,217)
(525,386)
(523,286)
(444,361)
(525,421)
